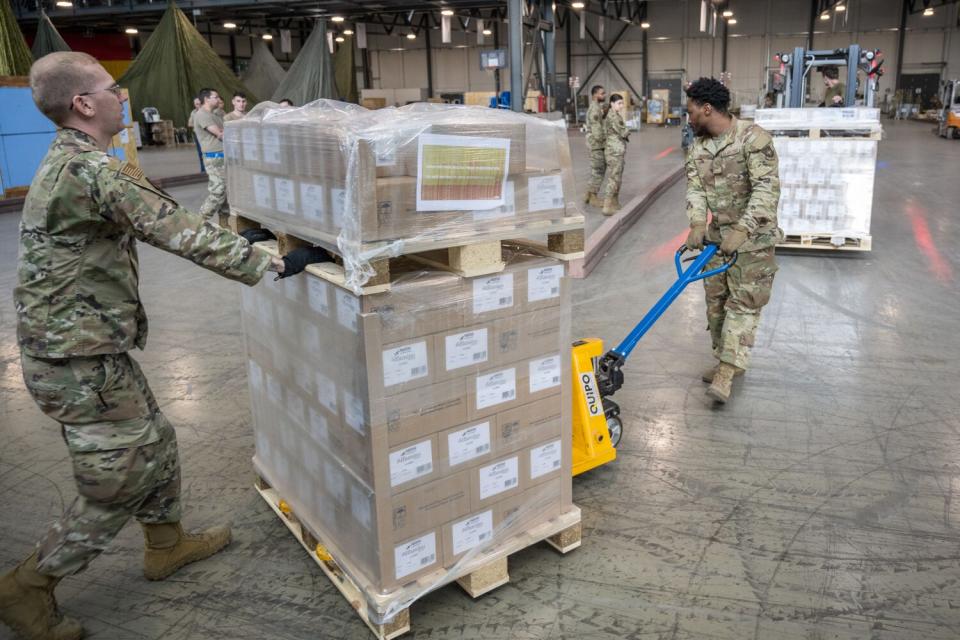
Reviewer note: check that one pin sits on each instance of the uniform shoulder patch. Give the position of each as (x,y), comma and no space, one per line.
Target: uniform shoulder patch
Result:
(757,137)
(132,171)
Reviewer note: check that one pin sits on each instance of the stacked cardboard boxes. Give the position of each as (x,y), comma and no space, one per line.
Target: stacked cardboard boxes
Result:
(419,427)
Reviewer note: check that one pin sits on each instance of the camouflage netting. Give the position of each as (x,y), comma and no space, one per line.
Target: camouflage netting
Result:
(311,76)
(15,59)
(48,39)
(345,74)
(176,62)
(264,74)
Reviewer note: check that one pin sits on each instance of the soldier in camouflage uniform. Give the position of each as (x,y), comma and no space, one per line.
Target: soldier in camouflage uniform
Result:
(614,148)
(79,313)
(208,129)
(595,141)
(732,172)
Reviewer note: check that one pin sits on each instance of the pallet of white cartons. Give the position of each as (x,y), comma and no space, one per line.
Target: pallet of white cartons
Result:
(827,242)
(480,576)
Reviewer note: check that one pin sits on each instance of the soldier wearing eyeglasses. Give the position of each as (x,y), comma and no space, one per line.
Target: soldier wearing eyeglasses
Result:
(78,315)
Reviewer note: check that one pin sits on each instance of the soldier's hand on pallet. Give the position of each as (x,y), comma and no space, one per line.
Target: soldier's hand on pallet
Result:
(298,259)
(257,235)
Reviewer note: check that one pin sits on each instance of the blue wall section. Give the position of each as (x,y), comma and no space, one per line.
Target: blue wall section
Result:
(25,135)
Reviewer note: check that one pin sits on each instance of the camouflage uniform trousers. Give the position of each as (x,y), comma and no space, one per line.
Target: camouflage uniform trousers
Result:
(598,167)
(614,161)
(216,202)
(123,450)
(734,301)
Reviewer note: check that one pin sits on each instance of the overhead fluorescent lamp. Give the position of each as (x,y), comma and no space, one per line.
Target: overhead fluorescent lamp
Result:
(64,4)
(130,31)
(840,8)
(411,36)
(728,14)
(337,18)
(928,11)
(340,39)
(267,36)
(644,25)
(732,21)
(229,25)
(447,12)
(824,16)
(348,32)
(577,5)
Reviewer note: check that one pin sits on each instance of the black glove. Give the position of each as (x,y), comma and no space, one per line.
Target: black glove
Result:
(257,235)
(298,259)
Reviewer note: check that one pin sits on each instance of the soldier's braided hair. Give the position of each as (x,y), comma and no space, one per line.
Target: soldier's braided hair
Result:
(709,91)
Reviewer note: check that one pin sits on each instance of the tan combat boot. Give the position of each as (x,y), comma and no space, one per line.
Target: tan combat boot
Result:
(708,374)
(610,206)
(719,389)
(168,548)
(590,197)
(28,607)
(595,201)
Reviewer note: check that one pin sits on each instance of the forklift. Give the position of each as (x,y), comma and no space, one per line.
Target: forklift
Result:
(796,67)
(948,120)
(597,425)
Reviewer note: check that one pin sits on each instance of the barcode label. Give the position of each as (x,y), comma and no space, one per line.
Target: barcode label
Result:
(544,459)
(472,531)
(464,349)
(492,293)
(405,363)
(466,444)
(544,373)
(498,477)
(412,556)
(544,192)
(410,463)
(543,283)
(495,388)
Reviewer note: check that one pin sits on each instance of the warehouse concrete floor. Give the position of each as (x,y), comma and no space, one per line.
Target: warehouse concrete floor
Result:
(818,504)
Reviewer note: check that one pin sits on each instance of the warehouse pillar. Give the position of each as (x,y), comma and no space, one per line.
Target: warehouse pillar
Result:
(549,50)
(515,17)
(903,33)
(429,63)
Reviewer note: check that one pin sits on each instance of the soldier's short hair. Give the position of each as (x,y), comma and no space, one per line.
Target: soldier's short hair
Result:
(205,93)
(616,98)
(595,88)
(56,78)
(239,95)
(709,91)
(830,71)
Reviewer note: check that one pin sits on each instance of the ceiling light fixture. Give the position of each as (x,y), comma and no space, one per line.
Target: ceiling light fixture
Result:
(728,14)
(577,5)
(487,32)
(229,25)
(348,32)
(732,21)
(824,16)
(411,36)
(64,4)
(340,39)
(644,25)
(928,11)
(337,18)
(267,36)
(447,12)
(840,8)
(130,31)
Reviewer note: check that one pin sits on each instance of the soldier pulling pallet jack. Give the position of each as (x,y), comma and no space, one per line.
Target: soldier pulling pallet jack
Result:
(732,171)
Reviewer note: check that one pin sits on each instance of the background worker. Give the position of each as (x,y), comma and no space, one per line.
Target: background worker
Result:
(833,96)
(78,315)
(208,127)
(731,171)
(239,103)
(595,142)
(614,149)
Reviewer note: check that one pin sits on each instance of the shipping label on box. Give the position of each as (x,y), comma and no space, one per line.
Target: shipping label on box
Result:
(334,481)
(470,532)
(263,191)
(338,207)
(318,296)
(545,374)
(411,462)
(361,506)
(348,309)
(251,144)
(272,155)
(327,392)
(492,293)
(319,427)
(285,193)
(468,348)
(469,443)
(415,555)
(405,363)
(498,478)
(312,204)
(543,283)
(545,192)
(496,388)
(353,413)
(544,460)
(461,173)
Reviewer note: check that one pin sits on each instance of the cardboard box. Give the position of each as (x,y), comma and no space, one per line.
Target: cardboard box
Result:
(467,533)
(496,480)
(464,350)
(518,514)
(490,297)
(467,445)
(411,559)
(541,462)
(411,464)
(421,412)
(401,366)
(531,423)
(425,507)
(497,389)
(545,376)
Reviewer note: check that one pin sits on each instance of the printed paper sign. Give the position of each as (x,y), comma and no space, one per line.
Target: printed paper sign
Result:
(251,144)
(412,556)
(545,459)
(543,283)
(311,201)
(318,295)
(544,373)
(492,293)
(544,192)
(507,210)
(271,146)
(497,387)
(262,192)
(411,463)
(461,173)
(348,308)
(286,196)
(499,477)
(472,532)
(469,443)
(465,349)
(406,363)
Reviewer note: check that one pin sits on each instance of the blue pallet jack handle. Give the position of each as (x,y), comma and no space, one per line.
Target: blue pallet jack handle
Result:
(609,375)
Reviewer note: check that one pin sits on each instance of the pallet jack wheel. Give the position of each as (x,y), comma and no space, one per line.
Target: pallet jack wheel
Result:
(611,411)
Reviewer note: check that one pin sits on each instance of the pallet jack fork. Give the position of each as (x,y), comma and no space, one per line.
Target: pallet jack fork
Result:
(597,426)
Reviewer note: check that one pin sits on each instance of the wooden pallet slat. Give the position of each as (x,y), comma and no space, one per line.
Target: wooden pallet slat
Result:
(827,242)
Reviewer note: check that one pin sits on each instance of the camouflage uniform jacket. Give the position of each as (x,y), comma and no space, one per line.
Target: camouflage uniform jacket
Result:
(78,273)
(615,132)
(595,132)
(735,176)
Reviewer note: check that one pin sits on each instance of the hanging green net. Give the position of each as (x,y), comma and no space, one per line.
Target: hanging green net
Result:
(344,72)
(176,62)
(264,74)
(48,39)
(310,77)
(15,58)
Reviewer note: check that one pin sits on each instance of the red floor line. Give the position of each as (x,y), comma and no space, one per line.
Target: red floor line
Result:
(663,154)
(937,264)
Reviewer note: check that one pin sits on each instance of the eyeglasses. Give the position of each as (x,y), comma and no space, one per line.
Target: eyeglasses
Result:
(115,89)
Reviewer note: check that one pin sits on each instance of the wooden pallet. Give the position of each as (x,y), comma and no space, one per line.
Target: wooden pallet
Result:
(479,577)
(825,242)
(469,259)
